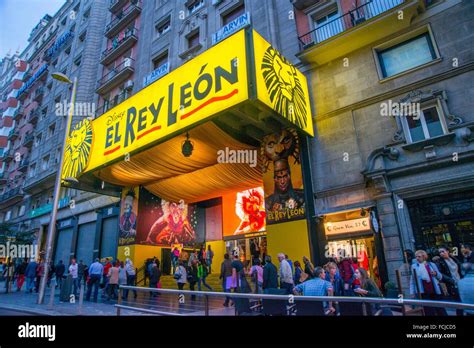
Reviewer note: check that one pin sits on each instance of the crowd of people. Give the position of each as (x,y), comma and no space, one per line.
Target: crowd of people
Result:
(108,274)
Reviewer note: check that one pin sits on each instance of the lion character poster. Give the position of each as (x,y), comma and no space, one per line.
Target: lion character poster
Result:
(282,177)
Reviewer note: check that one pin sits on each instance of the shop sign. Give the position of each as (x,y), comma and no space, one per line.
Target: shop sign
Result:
(212,82)
(64,38)
(32,79)
(44,209)
(347,226)
(156,74)
(231,28)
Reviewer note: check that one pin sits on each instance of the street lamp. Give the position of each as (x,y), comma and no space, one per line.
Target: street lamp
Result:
(57,187)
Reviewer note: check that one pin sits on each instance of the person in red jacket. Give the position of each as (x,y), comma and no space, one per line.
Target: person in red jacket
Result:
(107,267)
(346,271)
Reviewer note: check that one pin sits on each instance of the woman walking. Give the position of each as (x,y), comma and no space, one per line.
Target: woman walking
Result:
(202,273)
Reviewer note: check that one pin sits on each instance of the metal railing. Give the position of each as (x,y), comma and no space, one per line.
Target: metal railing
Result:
(286,302)
(127,63)
(122,15)
(346,21)
(116,43)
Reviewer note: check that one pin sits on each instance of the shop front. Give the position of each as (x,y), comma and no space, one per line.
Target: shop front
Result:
(443,220)
(355,234)
(209,155)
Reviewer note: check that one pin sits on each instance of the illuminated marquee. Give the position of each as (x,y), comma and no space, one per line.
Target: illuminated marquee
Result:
(212,82)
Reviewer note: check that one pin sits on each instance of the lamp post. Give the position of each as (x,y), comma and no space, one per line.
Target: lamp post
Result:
(57,188)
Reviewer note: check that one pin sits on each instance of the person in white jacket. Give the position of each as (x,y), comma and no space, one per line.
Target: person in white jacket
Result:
(427,276)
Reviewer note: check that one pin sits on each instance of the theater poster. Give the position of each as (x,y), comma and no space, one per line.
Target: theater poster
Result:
(128,216)
(282,177)
(166,223)
(244,212)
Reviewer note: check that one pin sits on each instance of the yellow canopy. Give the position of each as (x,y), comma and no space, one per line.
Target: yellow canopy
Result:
(164,170)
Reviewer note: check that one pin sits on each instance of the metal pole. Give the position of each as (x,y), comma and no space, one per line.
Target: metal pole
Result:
(206,308)
(119,301)
(400,291)
(57,191)
(81,297)
(53,290)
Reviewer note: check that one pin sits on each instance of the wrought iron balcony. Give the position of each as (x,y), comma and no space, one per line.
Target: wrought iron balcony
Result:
(23,166)
(39,94)
(12,195)
(348,20)
(3,178)
(33,116)
(13,135)
(116,76)
(119,46)
(122,19)
(7,155)
(19,113)
(28,140)
(109,104)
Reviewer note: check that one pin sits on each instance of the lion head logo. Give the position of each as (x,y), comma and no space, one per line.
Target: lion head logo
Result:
(78,148)
(284,88)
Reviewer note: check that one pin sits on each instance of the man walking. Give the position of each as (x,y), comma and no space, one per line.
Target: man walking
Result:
(130,269)
(286,275)
(95,273)
(60,270)
(318,286)
(30,275)
(73,271)
(270,275)
(226,277)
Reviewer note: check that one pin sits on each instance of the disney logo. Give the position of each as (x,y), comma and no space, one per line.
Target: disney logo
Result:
(114,118)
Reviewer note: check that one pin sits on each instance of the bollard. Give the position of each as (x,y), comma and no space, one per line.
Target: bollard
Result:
(81,298)
(53,290)
(119,300)
(206,304)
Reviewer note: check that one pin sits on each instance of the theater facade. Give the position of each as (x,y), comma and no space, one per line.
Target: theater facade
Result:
(213,153)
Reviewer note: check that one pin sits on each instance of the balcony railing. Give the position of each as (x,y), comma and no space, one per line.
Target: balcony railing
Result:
(3,178)
(13,135)
(39,93)
(16,192)
(33,116)
(122,18)
(116,75)
(109,104)
(119,46)
(115,5)
(347,21)
(23,166)
(28,140)
(19,113)
(7,155)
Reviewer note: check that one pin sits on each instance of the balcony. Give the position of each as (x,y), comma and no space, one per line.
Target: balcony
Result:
(7,155)
(3,178)
(122,19)
(116,76)
(28,139)
(364,25)
(23,166)
(41,181)
(111,103)
(115,5)
(19,113)
(13,135)
(39,94)
(33,116)
(119,46)
(11,197)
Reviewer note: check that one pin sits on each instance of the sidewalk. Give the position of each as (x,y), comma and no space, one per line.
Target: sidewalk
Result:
(27,303)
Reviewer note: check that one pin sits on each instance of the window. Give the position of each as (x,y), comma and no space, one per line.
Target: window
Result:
(21,210)
(163,27)
(86,15)
(193,39)
(328,24)
(38,140)
(45,162)
(406,55)
(430,124)
(160,60)
(32,171)
(233,14)
(68,50)
(194,6)
(77,61)
(83,35)
(63,22)
(8,215)
(51,130)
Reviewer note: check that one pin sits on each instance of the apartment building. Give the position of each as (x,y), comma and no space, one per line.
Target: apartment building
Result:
(386,178)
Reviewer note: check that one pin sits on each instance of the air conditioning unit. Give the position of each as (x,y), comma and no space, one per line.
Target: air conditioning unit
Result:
(129,84)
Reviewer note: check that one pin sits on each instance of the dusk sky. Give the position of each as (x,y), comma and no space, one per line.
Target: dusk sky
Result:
(17,19)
